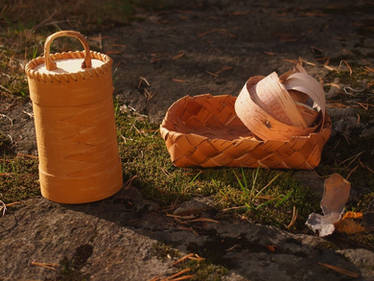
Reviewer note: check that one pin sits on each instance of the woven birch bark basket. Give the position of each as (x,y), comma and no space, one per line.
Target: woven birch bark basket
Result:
(71,93)
(256,129)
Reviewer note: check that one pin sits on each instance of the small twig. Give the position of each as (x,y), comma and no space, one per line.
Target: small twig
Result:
(51,266)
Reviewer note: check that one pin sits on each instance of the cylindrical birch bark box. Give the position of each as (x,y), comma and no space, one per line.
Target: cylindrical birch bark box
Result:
(72,100)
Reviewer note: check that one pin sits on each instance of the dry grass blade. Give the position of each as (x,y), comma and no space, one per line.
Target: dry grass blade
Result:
(186,277)
(234,208)
(219,30)
(212,74)
(294,217)
(181,217)
(307,62)
(183,258)
(13,204)
(196,257)
(366,167)
(7,117)
(291,61)
(171,277)
(6,174)
(155,279)
(203,220)
(340,270)
(27,156)
(178,80)
(188,229)
(369,69)
(178,56)
(129,182)
(3,207)
(347,65)
(351,159)
(352,171)
(50,266)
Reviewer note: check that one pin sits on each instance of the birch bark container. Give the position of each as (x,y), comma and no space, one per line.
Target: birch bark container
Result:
(71,93)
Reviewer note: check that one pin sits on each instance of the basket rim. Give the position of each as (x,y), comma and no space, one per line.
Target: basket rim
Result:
(80,75)
(165,130)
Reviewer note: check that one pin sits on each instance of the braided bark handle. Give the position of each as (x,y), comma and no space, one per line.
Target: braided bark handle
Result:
(50,64)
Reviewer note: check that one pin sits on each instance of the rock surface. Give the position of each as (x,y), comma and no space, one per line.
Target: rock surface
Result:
(109,240)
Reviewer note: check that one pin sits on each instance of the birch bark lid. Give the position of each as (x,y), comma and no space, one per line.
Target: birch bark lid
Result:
(68,66)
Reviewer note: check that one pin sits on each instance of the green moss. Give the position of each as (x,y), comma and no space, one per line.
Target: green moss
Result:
(163,251)
(205,271)
(19,179)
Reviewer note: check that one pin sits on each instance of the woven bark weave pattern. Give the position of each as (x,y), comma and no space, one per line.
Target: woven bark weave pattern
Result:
(205,131)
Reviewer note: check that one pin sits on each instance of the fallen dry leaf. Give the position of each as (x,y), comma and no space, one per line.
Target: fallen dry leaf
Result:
(271,248)
(349,226)
(335,196)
